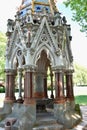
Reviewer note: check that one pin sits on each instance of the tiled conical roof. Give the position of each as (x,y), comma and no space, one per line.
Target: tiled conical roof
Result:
(38,5)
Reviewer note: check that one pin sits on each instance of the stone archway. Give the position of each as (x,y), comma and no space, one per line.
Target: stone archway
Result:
(42,65)
(41,82)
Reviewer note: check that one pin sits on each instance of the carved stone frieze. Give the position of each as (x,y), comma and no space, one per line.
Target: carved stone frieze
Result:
(36,31)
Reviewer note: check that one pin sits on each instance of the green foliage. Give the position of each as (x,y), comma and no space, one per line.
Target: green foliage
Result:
(80,75)
(81,100)
(2,89)
(2,54)
(2,37)
(77,109)
(79,8)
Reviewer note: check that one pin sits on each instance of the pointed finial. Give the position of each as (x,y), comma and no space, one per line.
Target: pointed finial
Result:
(53,6)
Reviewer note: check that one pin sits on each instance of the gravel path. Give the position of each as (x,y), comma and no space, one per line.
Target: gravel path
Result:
(84,119)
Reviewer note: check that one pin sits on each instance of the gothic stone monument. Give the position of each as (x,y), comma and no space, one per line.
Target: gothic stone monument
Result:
(39,39)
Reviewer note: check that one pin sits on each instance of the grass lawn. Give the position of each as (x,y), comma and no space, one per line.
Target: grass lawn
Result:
(81,99)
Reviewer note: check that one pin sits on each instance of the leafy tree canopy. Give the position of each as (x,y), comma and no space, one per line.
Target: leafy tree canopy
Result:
(80,75)
(2,37)
(2,54)
(79,8)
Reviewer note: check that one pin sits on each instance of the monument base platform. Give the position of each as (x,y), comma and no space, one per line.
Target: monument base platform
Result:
(25,117)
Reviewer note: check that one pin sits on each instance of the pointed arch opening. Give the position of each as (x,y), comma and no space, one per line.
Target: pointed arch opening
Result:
(44,78)
(17,61)
(49,53)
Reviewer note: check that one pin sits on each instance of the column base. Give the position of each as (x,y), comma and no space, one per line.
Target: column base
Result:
(24,115)
(70,98)
(10,100)
(28,101)
(20,100)
(60,100)
(39,95)
(66,115)
(5,110)
(52,96)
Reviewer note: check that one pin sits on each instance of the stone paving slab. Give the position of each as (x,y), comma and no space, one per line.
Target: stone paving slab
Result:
(84,120)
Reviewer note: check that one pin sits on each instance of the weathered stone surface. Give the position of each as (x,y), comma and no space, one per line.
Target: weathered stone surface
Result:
(50,127)
(21,113)
(68,117)
(25,124)
(5,110)
(46,121)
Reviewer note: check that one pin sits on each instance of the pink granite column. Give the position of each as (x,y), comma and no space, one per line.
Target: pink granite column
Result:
(45,86)
(10,86)
(59,79)
(39,92)
(51,76)
(20,74)
(69,85)
(28,87)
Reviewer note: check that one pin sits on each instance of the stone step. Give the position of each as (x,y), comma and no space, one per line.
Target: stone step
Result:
(45,119)
(46,122)
(49,127)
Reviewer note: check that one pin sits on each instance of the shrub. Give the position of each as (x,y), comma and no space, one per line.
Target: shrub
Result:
(2,89)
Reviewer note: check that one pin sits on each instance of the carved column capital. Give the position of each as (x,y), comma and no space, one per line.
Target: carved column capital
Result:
(58,69)
(30,68)
(10,71)
(69,71)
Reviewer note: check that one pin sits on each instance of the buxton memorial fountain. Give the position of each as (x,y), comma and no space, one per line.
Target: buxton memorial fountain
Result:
(38,40)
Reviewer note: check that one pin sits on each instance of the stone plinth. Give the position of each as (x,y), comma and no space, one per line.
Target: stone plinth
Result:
(5,110)
(66,114)
(25,115)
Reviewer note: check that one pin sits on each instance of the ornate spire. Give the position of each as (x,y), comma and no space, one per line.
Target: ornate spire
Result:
(53,6)
(38,5)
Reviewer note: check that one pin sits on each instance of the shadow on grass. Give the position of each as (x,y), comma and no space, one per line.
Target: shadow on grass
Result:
(81,100)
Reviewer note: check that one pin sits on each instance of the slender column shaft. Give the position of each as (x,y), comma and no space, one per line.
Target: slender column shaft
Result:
(10,86)
(28,88)
(28,84)
(20,83)
(7,86)
(45,87)
(20,99)
(51,76)
(39,86)
(59,87)
(69,85)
